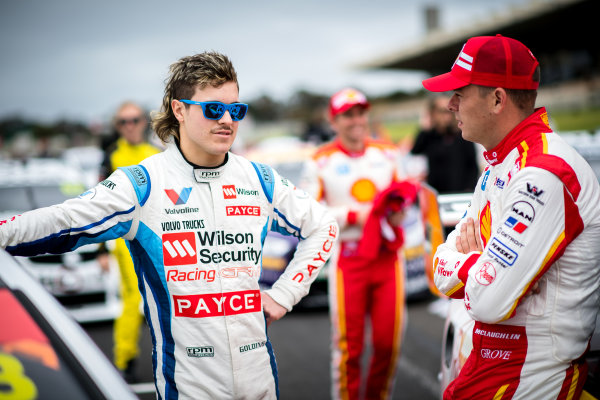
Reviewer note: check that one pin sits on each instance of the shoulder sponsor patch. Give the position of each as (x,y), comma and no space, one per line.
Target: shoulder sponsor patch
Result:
(534,190)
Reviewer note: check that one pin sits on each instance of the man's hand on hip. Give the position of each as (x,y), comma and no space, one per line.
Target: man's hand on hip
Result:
(273,310)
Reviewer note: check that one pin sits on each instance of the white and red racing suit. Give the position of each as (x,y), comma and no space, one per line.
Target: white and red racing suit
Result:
(534,290)
(196,236)
(349,183)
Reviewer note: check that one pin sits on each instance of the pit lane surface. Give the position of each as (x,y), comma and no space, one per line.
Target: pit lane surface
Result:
(301,342)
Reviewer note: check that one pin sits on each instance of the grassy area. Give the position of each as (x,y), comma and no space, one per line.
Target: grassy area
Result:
(399,131)
(561,121)
(576,120)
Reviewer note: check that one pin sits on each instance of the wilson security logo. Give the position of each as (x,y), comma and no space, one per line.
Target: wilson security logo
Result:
(229,192)
(179,198)
(179,248)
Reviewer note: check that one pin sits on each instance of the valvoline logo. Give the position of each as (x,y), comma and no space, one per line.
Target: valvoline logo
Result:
(180,198)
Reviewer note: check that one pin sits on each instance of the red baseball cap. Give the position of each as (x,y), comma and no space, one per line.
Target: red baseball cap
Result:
(495,61)
(345,99)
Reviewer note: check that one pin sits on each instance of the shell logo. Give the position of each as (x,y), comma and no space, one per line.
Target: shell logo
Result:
(363,190)
(485,224)
(544,118)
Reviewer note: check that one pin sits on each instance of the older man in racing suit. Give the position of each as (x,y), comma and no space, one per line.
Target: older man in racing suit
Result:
(195,234)
(525,257)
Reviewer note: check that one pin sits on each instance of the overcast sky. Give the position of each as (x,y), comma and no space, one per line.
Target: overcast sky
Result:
(79,59)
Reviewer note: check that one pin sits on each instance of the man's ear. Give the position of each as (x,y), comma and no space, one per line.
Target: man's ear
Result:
(177,108)
(500,98)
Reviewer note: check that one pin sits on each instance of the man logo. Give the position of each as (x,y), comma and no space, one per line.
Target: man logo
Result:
(534,190)
(179,248)
(524,210)
(180,198)
(201,351)
(229,192)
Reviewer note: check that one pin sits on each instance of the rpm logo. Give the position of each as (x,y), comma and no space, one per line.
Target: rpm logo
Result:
(179,248)
(200,351)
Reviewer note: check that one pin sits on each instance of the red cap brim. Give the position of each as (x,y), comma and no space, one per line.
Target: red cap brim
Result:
(443,83)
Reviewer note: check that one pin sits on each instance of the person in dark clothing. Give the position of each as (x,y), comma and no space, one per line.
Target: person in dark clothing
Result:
(451,160)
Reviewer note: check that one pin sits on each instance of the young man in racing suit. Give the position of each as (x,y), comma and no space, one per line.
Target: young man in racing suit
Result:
(348,174)
(525,257)
(195,217)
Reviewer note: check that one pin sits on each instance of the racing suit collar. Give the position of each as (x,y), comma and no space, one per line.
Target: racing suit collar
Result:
(349,153)
(535,124)
(200,173)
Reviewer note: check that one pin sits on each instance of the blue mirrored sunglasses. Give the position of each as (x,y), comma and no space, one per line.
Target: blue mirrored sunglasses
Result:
(216,109)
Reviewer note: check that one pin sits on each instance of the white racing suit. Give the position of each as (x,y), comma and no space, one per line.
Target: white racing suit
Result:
(196,236)
(534,291)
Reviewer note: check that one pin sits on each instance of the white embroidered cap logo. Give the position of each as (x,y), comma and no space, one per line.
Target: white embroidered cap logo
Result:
(464,60)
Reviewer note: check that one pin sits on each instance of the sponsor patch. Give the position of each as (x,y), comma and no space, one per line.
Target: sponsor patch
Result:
(179,198)
(515,225)
(229,192)
(252,346)
(200,351)
(139,175)
(203,175)
(486,274)
(496,354)
(508,237)
(523,211)
(179,248)
(242,210)
(88,195)
(484,180)
(109,184)
(217,304)
(342,169)
(534,190)
(503,252)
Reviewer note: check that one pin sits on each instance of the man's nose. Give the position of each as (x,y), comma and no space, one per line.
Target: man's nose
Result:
(453,104)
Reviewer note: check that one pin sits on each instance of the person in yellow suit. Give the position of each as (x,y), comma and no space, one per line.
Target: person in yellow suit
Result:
(130,147)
